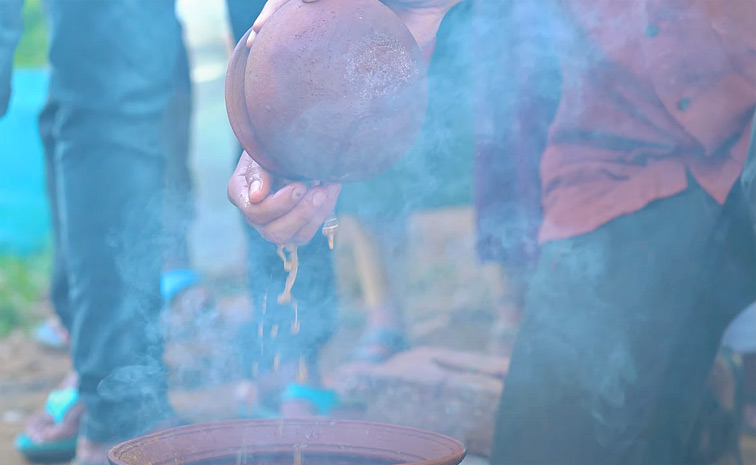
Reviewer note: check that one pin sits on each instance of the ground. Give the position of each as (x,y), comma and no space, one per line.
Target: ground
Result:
(454,313)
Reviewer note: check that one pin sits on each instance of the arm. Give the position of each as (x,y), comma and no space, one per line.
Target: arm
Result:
(515,107)
(294,214)
(11,25)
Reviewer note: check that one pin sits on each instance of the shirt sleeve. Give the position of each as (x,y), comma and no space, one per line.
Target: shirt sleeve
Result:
(11,25)
(517,92)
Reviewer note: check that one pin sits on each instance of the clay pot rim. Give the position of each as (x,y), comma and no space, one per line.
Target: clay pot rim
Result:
(458,450)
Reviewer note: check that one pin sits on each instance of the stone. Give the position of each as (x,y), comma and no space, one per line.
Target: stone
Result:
(448,392)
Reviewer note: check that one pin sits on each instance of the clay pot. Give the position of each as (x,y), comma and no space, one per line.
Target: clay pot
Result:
(343,442)
(334,90)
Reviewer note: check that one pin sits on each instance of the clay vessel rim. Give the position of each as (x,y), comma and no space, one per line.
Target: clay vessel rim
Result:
(455,455)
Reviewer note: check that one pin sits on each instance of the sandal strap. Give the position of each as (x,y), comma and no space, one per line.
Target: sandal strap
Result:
(392,339)
(59,402)
(323,399)
(174,281)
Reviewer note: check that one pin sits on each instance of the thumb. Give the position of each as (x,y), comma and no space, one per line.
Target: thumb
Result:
(259,181)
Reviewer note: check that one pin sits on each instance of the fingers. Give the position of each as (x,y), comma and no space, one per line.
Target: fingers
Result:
(249,190)
(238,187)
(302,222)
(290,216)
(259,182)
(274,205)
(270,7)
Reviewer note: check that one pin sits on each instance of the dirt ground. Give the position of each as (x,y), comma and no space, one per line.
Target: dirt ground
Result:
(449,302)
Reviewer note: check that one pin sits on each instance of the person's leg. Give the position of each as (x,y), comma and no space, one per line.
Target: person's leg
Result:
(314,291)
(59,280)
(619,333)
(282,347)
(380,251)
(51,433)
(112,68)
(53,332)
(186,299)
(178,204)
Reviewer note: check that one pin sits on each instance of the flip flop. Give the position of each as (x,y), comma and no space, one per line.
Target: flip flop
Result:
(58,405)
(174,281)
(393,340)
(324,401)
(47,335)
(187,305)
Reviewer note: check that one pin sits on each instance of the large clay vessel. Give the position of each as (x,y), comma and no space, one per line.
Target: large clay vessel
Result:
(320,441)
(333,90)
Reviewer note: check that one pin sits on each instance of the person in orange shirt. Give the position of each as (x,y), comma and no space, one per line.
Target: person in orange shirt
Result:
(645,246)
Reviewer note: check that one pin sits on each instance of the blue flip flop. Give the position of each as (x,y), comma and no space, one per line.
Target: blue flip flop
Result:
(324,401)
(47,336)
(174,281)
(58,404)
(394,341)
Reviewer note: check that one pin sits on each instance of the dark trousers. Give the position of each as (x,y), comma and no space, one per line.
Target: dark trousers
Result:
(314,289)
(620,331)
(113,81)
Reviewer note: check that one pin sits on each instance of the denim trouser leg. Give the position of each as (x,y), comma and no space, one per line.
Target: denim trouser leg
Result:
(112,69)
(620,330)
(178,204)
(314,289)
(59,278)
(179,201)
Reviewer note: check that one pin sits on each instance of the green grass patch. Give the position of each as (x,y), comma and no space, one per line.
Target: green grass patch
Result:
(32,49)
(24,281)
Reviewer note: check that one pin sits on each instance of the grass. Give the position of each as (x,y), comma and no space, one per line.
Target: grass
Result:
(24,280)
(32,50)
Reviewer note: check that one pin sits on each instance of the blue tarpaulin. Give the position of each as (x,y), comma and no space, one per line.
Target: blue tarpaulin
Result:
(24,210)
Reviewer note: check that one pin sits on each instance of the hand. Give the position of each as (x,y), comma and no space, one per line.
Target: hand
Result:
(290,216)
(422,17)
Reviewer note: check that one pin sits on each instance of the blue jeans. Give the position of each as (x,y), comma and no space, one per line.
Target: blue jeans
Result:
(314,289)
(113,79)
